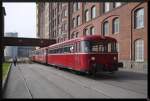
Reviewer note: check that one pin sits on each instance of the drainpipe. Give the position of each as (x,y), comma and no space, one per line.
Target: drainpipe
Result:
(132,26)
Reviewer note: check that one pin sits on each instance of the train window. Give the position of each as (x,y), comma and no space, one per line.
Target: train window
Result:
(67,49)
(71,49)
(113,47)
(101,48)
(94,48)
(85,46)
(109,47)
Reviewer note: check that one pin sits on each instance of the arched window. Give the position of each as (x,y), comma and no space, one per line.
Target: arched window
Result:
(92,30)
(77,34)
(93,12)
(106,28)
(86,31)
(74,23)
(139,18)
(139,50)
(78,20)
(72,36)
(117,4)
(87,18)
(116,25)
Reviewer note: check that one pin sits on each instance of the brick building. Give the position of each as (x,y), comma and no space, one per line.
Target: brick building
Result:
(125,21)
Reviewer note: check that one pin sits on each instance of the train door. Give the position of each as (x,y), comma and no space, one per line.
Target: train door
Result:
(77,56)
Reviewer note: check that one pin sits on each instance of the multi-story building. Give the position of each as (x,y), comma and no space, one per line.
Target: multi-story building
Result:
(125,21)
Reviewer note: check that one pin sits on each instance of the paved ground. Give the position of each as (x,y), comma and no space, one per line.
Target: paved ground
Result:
(40,81)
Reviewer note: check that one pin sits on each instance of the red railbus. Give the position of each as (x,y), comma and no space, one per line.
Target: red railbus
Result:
(88,54)
(39,55)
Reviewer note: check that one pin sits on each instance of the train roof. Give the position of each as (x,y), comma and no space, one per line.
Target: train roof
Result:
(90,37)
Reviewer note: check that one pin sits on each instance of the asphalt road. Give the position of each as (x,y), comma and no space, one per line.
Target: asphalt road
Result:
(40,81)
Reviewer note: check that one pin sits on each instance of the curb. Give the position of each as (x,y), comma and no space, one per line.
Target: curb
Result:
(4,82)
(135,70)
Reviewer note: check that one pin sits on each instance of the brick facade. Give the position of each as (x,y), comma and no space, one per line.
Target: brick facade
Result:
(126,36)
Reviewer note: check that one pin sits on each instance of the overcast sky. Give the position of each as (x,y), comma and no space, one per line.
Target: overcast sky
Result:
(21,18)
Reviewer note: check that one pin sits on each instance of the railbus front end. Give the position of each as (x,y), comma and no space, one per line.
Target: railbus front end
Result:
(100,55)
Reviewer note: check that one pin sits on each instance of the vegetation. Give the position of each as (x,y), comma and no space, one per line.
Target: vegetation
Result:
(5,69)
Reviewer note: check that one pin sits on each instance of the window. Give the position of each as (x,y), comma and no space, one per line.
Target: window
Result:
(78,20)
(59,31)
(116,25)
(139,50)
(74,7)
(98,47)
(93,12)
(106,7)
(74,23)
(86,32)
(92,30)
(78,6)
(65,26)
(105,28)
(87,15)
(66,12)
(117,4)
(77,34)
(139,18)
(72,36)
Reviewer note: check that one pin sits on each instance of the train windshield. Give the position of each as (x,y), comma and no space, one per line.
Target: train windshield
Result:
(98,47)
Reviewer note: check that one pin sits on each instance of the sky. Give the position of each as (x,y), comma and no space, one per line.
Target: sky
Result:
(21,18)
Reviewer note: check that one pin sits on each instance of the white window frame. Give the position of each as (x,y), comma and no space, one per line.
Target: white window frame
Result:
(92,30)
(139,18)
(78,6)
(105,28)
(93,12)
(87,16)
(116,25)
(66,12)
(74,7)
(78,20)
(118,4)
(139,50)
(106,7)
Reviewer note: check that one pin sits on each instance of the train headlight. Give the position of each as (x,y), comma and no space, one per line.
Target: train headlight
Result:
(93,58)
(115,58)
